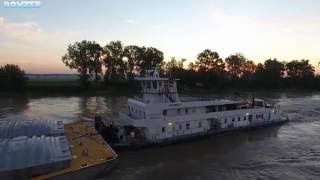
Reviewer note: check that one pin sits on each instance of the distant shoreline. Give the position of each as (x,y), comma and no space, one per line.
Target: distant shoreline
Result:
(74,87)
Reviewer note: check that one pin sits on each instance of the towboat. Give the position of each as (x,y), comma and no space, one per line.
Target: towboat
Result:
(160,116)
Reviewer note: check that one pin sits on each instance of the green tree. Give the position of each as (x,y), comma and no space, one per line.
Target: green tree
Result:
(260,73)
(113,54)
(236,64)
(85,57)
(299,69)
(133,54)
(274,69)
(270,73)
(174,66)
(249,68)
(192,66)
(151,58)
(209,60)
(12,77)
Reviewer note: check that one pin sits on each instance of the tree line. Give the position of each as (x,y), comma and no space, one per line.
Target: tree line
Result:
(12,78)
(209,70)
(119,62)
(116,64)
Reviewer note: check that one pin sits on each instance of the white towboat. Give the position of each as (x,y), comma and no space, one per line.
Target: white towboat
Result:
(160,116)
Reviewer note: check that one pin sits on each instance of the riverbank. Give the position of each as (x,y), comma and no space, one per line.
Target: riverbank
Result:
(74,87)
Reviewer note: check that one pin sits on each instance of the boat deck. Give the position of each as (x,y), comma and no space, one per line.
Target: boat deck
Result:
(87,147)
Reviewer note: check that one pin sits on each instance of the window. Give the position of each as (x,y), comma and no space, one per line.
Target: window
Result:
(187,126)
(178,111)
(148,85)
(258,116)
(163,129)
(154,83)
(225,120)
(180,126)
(239,118)
(164,112)
(232,119)
(214,108)
(199,125)
(244,117)
(187,111)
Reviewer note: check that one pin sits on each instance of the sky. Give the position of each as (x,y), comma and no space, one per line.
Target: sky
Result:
(37,38)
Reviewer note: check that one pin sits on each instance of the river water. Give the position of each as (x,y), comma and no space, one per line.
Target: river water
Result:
(290,151)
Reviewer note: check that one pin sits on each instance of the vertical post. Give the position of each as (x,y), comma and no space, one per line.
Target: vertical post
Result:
(97,122)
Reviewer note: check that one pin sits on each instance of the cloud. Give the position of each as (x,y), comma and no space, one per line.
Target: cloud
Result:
(31,32)
(21,31)
(285,37)
(38,50)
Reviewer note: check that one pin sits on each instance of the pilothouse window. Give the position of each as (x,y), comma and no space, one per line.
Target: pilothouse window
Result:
(164,112)
(154,83)
(221,108)
(187,126)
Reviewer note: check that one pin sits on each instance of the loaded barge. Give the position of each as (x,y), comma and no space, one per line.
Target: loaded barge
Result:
(44,149)
(159,116)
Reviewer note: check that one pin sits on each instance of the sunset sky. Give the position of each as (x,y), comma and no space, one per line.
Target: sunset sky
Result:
(35,39)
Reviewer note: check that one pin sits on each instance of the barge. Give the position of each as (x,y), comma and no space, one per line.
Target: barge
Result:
(42,149)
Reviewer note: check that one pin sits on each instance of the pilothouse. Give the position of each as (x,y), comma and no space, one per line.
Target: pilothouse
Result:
(160,116)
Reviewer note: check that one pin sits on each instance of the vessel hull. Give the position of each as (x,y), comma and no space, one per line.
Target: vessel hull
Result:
(89,172)
(192,137)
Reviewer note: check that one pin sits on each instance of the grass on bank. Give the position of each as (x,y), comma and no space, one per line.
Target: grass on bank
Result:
(53,85)
(75,86)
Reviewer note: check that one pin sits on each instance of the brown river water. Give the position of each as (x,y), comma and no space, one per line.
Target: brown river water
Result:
(290,151)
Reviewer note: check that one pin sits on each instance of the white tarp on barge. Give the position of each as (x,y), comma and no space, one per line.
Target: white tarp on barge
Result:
(29,128)
(22,157)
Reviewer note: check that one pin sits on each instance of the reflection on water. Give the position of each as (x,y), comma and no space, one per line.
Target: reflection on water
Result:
(290,151)
(12,105)
(67,109)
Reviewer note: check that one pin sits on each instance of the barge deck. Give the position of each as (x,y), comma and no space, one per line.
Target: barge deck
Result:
(91,155)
